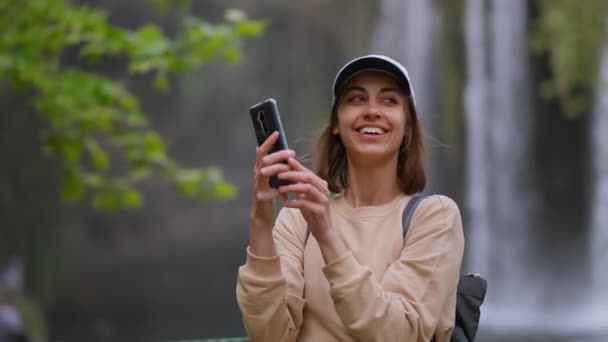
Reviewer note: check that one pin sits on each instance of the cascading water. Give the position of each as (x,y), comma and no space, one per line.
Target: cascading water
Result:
(508,126)
(599,204)
(500,197)
(497,124)
(497,127)
(477,157)
(387,37)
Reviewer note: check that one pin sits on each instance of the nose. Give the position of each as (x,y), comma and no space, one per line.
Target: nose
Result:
(372,110)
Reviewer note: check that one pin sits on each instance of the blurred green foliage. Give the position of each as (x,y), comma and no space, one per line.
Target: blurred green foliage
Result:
(572,34)
(96,127)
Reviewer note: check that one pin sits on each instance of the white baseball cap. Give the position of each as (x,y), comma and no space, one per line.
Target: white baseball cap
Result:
(373,62)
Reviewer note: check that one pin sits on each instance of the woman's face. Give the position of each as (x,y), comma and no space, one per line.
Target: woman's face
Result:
(372,117)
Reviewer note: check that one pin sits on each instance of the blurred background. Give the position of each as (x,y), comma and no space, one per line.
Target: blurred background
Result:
(126,152)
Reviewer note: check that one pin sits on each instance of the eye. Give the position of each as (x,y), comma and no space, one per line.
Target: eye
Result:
(390,100)
(355,99)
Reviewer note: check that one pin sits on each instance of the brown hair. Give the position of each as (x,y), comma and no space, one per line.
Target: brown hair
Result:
(332,164)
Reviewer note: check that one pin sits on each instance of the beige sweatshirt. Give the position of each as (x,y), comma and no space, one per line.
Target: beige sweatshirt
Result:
(383,289)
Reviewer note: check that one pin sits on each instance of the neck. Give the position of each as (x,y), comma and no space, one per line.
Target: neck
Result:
(368,185)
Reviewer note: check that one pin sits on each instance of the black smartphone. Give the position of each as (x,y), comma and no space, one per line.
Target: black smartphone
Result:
(266,119)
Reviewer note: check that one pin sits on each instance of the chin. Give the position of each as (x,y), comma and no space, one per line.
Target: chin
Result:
(373,154)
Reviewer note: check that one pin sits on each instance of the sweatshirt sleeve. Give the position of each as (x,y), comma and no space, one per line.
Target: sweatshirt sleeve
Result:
(409,299)
(270,290)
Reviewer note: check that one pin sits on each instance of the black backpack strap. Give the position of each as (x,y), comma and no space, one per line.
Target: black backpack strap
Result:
(408,212)
(406,218)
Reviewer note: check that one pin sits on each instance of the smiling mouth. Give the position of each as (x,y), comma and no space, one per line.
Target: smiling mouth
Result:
(371,131)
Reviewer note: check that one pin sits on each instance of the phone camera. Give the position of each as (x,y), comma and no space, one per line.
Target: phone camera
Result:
(262,122)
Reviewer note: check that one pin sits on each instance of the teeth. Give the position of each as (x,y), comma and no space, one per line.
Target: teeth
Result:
(371,130)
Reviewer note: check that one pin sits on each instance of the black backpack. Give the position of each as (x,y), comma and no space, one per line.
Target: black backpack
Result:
(469,295)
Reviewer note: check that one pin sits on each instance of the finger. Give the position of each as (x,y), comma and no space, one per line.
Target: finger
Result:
(267,195)
(262,150)
(271,170)
(296,176)
(311,192)
(282,155)
(269,142)
(306,177)
(319,182)
(296,165)
(304,204)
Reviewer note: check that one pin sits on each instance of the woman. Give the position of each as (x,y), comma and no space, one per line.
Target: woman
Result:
(354,278)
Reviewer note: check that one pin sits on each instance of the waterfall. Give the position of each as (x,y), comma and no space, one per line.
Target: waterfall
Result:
(497,113)
(599,204)
(499,194)
(387,37)
(509,126)
(420,56)
(476,141)
(497,124)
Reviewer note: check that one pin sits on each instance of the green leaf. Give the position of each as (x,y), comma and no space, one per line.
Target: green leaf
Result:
(99,157)
(161,82)
(132,199)
(100,160)
(252,29)
(129,103)
(82,108)
(149,41)
(108,200)
(73,189)
(154,148)
(213,175)
(142,66)
(6,61)
(92,180)
(225,191)
(140,173)
(232,55)
(188,182)
(70,150)
(135,119)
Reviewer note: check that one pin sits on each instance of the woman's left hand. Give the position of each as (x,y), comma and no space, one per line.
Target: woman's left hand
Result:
(312,196)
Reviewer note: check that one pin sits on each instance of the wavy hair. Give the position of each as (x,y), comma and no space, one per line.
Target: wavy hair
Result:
(332,163)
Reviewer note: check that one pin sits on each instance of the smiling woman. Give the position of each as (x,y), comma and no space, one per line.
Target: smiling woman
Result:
(355,278)
(379,88)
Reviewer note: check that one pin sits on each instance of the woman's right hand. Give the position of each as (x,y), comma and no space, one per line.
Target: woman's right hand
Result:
(267,165)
